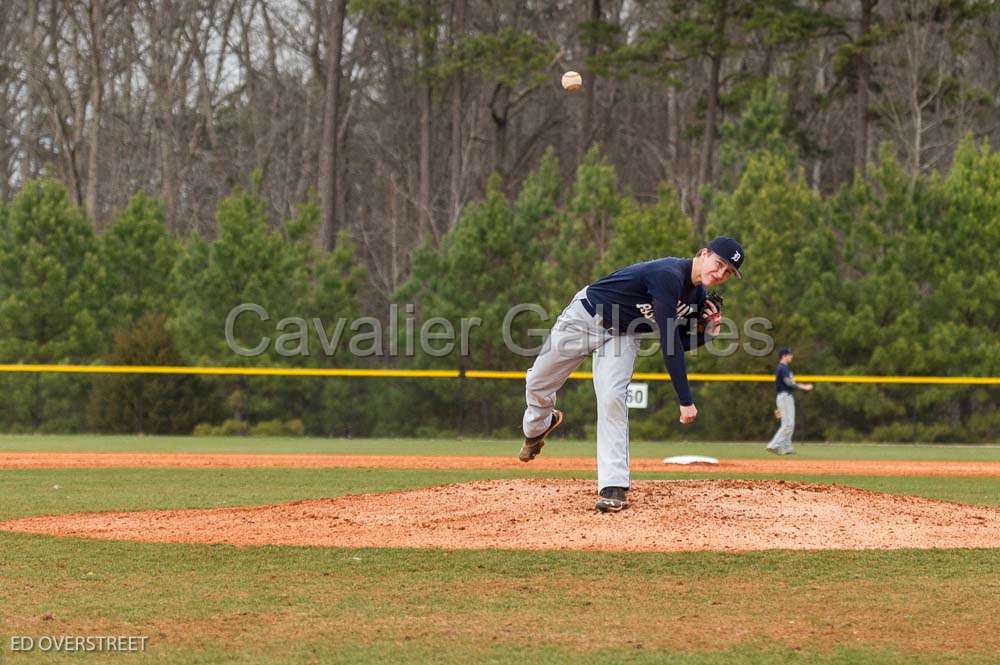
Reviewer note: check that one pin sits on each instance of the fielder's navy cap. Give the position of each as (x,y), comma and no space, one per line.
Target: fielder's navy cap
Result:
(729,251)
(784,351)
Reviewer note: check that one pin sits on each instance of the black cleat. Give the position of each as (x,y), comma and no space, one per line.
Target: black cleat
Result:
(533,445)
(612,500)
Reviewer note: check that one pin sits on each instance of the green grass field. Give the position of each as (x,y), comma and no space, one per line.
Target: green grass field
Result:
(222,604)
(558,447)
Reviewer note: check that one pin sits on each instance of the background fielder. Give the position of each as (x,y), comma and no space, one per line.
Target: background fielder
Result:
(603,320)
(784,384)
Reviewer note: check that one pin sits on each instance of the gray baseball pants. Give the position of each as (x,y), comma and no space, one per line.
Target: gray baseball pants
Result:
(575,335)
(782,439)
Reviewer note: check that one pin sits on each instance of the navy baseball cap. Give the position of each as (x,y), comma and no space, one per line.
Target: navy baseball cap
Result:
(784,351)
(729,251)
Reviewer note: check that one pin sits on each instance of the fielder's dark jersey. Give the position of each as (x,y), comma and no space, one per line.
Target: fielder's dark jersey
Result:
(784,381)
(645,296)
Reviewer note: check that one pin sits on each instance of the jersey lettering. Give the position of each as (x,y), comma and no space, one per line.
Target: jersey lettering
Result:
(646,310)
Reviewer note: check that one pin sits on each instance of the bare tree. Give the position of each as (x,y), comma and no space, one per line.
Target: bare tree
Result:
(705,162)
(96,17)
(820,90)
(455,162)
(328,152)
(15,125)
(50,87)
(593,17)
(863,74)
(311,40)
(426,47)
(164,24)
(923,95)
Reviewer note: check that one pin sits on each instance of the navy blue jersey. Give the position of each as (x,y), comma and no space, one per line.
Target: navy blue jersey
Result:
(784,381)
(644,297)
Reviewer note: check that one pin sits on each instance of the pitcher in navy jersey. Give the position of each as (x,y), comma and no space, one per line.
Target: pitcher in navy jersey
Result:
(602,321)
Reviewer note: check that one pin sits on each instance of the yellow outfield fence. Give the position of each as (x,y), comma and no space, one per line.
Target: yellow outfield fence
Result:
(470,374)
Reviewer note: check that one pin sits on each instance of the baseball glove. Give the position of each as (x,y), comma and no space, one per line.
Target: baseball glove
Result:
(716,298)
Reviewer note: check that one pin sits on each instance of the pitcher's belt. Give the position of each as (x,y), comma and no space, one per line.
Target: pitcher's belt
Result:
(589,306)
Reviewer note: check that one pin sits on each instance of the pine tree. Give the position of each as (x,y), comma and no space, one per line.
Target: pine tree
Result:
(50,305)
(278,270)
(138,255)
(586,227)
(784,227)
(486,265)
(247,264)
(146,404)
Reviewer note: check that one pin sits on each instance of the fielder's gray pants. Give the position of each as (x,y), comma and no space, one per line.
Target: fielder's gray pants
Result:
(782,439)
(576,335)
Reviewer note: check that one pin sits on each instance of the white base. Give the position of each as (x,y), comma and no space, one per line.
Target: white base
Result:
(690,459)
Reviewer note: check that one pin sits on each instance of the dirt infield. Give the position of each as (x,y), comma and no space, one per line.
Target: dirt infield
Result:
(797,466)
(665,515)
(549,514)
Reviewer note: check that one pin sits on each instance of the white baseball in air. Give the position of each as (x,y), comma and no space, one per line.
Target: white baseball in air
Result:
(572,81)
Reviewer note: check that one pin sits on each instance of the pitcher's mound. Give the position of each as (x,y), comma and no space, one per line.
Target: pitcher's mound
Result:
(559,514)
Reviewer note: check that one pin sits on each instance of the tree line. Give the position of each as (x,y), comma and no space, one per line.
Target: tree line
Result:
(162,161)
(395,113)
(888,275)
